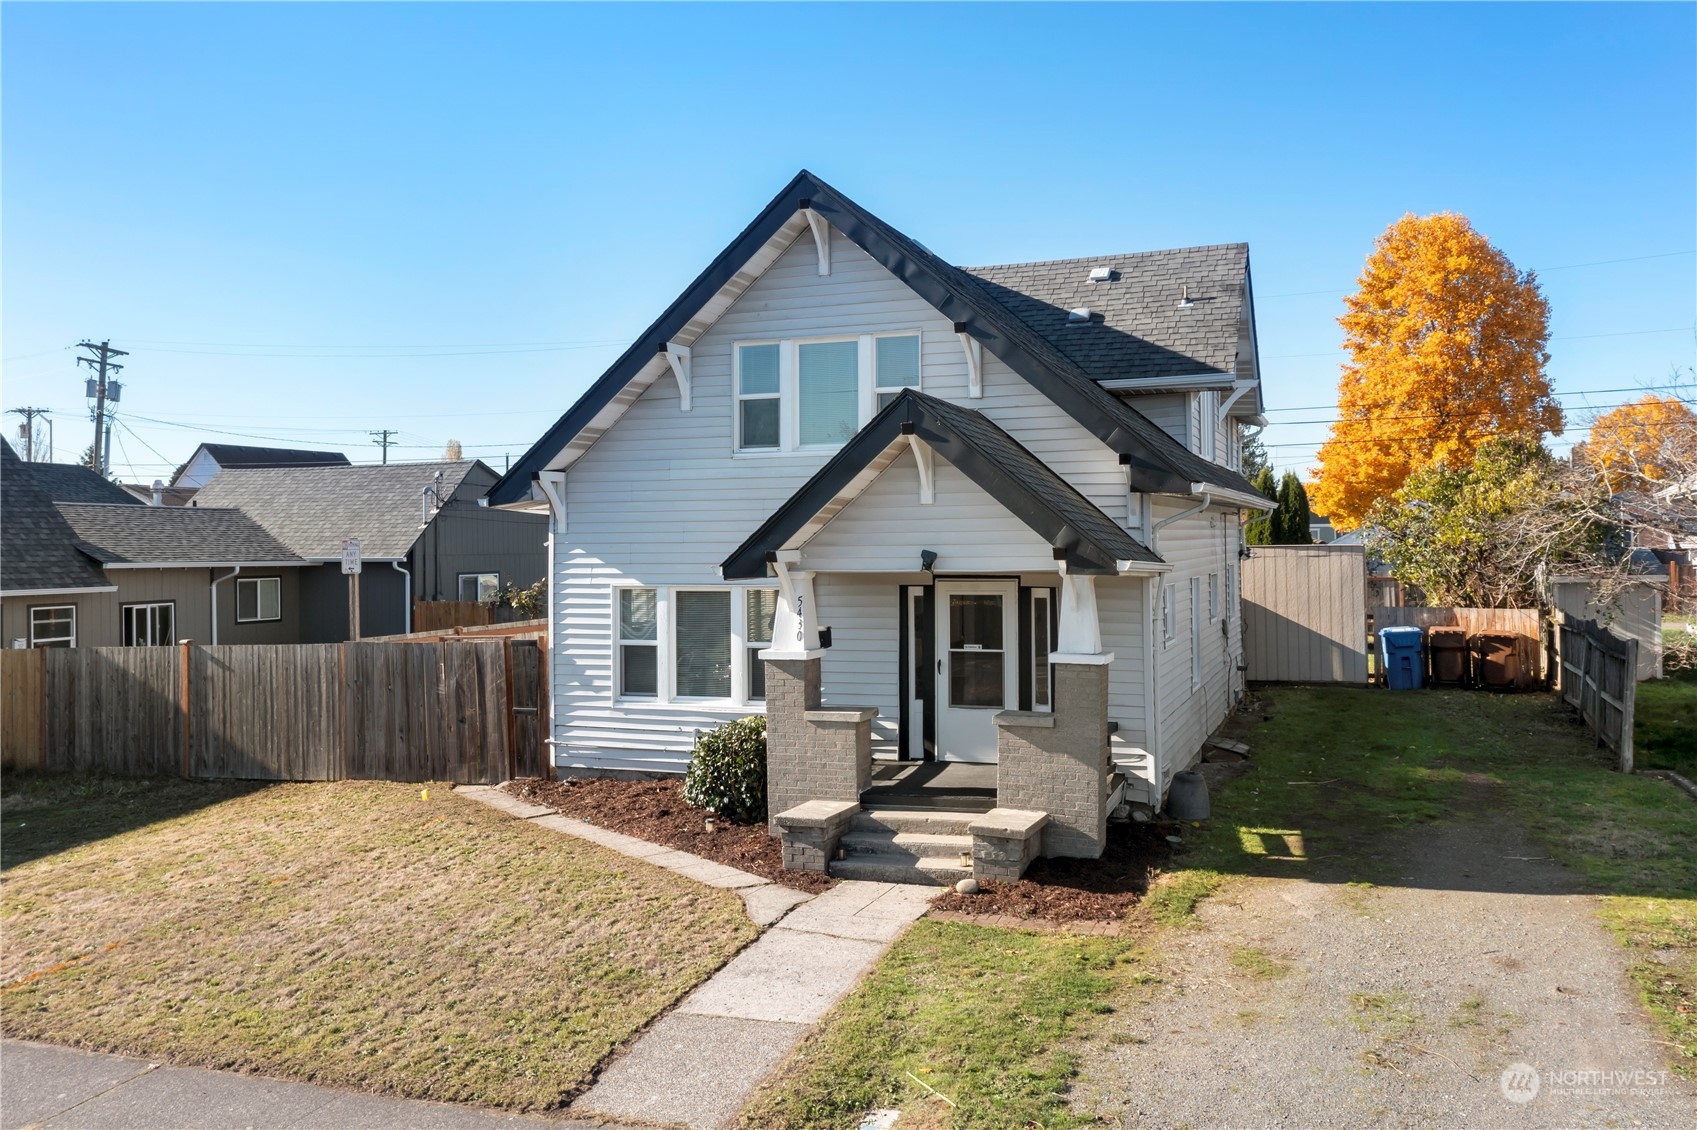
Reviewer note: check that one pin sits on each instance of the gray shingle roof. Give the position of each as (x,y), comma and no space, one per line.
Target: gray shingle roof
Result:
(67,482)
(311,509)
(1140,329)
(124,534)
(37,547)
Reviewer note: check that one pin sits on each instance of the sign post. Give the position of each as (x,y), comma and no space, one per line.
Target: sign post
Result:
(351,569)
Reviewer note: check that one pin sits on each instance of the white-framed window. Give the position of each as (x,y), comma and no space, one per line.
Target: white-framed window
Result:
(895,366)
(1210,424)
(481,587)
(53,625)
(692,643)
(1042,603)
(1169,622)
(638,643)
(149,625)
(1213,596)
(258,598)
(1195,632)
(759,396)
(805,393)
(762,611)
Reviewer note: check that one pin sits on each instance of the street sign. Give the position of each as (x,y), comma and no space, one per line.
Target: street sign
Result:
(350,556)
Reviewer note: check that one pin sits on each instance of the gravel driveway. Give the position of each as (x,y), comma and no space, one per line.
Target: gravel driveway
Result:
(1328,1004)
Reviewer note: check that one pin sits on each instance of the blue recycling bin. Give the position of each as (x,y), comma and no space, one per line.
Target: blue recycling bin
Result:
(1400,652)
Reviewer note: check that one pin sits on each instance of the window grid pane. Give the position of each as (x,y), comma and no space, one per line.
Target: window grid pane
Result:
(703,644)
(757,372)
(270,598)
(759,420)
(829,384)
(897,362)
(639,670)
(637,614)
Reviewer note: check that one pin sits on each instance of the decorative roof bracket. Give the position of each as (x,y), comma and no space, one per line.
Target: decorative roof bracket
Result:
(974,361)
(677,356)
(821,238)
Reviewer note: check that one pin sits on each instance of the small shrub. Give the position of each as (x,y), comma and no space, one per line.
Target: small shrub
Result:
(728,771)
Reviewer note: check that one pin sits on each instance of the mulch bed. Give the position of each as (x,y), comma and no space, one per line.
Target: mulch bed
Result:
(655,811)
(1074,890)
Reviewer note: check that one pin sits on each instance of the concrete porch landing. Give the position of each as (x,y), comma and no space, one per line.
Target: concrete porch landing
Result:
(955,786)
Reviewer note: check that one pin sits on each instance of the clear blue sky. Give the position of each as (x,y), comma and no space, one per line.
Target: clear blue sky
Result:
(305,221)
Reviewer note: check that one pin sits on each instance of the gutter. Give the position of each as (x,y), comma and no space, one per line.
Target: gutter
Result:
(396,566)
(216,581)
(1206,500)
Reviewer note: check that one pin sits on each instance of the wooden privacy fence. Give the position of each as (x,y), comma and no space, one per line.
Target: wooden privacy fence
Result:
(1597,675)
(1305,614)
(1525,624)
(469,712)
(435,615)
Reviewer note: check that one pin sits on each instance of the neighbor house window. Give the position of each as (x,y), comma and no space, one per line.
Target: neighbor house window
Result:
(639,643)
(759,406)
(1213,596)
(53,626)
(1169,625)
(481,587)
(795,394)
(762,610)
(895,366)
(149,625)
(258,598)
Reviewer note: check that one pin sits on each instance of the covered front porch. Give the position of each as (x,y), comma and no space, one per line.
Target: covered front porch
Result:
(941,602)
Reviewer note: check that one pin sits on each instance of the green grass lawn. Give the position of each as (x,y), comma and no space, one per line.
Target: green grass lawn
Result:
(976,1014)
(353,934)
(1665,723)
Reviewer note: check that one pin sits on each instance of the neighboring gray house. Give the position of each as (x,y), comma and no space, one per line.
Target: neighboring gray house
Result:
(425,533)
(958,525)
(84,565)
(210,458)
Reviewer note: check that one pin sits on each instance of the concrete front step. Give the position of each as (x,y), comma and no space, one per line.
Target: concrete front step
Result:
(943,872)
(905,845)
(911,820)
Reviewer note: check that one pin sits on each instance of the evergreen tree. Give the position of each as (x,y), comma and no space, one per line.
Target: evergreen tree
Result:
(1259,529)
(1290,520)
(1254,452)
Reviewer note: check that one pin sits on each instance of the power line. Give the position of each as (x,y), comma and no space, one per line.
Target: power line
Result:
(102,388)
(383,440)
(1558,395)
(1535,270)
(27,429)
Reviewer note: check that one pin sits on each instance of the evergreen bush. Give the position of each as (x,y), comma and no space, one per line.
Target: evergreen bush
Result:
(727,772)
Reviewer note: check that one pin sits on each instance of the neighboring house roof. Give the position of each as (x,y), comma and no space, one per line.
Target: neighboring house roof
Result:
(37,547)
(171,535)
(1141,329)
(1156,461)
(70,482)
(168,496)
(311,509)
(1089,540)
(228,455)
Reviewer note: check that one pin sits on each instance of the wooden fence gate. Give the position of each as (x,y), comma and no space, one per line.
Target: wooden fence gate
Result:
(1598,673)
(1305,614)
(468,712)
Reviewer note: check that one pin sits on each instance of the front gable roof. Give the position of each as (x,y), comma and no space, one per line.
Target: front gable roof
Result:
(1087,539)
(1156,461)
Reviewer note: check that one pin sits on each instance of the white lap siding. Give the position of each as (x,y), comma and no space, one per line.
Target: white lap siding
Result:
(660,499)
(1120,607)
(1195,547)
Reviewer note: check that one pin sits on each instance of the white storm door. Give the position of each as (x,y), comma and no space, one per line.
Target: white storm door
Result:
(977,665)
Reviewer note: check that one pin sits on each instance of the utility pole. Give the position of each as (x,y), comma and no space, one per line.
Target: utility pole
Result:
(383,440)
(102,389)
(28,429)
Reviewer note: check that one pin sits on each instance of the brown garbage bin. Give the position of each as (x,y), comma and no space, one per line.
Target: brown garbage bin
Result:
(1446,651)
(1496,660)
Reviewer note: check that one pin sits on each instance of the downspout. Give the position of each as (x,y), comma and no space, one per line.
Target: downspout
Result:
(216,581)
(1206,500)
(407,591)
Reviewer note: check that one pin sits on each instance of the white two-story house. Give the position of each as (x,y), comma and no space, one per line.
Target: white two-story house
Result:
(920,516)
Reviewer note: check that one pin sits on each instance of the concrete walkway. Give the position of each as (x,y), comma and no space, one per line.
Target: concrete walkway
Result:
(63,1088)
(700,1063)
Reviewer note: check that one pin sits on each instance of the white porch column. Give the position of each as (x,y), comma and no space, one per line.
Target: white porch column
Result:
(1080,637)
(795,626)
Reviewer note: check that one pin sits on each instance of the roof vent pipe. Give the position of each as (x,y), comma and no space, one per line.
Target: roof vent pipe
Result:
(158,492)
(1184,298)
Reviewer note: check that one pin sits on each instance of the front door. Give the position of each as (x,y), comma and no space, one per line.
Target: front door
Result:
(977,665)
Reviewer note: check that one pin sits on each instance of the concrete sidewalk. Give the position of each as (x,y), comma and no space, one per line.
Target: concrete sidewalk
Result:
(63,1088)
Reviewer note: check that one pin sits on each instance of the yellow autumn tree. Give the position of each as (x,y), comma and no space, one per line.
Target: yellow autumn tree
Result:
(1446,350)
(1650,440)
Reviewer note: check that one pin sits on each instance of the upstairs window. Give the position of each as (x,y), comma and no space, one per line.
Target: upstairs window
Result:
(258,598)
(818,392)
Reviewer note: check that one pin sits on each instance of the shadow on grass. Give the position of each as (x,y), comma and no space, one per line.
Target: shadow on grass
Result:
(1433,788)
(43,814)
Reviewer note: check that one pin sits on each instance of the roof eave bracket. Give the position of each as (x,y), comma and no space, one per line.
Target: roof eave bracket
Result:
(974,361)
(922,458)
(821,237)
(677,357)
